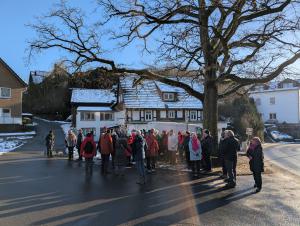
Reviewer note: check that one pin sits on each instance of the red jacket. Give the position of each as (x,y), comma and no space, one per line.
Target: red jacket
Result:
(152,145)
(82,152)
(106,144)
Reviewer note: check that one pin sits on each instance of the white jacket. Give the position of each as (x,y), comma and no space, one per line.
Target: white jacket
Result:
(172,142)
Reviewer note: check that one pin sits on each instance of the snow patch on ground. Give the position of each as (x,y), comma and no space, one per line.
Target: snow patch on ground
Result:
(8,144)
(18,134)
(46,120)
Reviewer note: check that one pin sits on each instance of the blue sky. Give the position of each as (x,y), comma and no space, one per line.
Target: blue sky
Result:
(15,14)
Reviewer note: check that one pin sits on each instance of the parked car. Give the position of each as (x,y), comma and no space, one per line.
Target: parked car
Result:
(27,119)
(279,136)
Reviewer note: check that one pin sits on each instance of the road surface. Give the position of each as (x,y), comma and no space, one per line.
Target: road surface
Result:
(286,156)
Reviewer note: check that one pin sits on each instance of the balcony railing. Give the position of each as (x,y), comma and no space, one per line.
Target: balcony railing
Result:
(10,120)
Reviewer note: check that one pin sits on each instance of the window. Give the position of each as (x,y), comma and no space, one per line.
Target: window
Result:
(272,100)
(87,116)
(287,85)
(193,115)
(180,114)
(5,92)
(163,114)
(272,116)
(169,96)
(257,101)
(259,88)
(148,115)
(106,116)
(171,114)
(5,112)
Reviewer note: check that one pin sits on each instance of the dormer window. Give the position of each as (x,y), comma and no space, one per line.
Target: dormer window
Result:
(287,85)
(169,96)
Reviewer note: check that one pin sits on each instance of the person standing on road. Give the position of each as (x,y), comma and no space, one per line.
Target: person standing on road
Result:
(152,151)
(113,154)
(231,146)
(50,139)
(120,152)
(172,146)
(105,146)
(221,155)
(180,145)
(164,145)
(88,151)
(195,154)
(80,138)
(207,145)
(186,142)
(70,143)
(256,161)
(138,147)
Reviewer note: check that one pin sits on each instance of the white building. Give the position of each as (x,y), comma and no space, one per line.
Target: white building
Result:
(278,102)
(149,104)
(94,109)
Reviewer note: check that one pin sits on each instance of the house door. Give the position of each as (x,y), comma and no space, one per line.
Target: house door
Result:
(148,115)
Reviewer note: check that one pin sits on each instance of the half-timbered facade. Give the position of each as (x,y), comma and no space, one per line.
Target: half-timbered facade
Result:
(154,101)
(134,105)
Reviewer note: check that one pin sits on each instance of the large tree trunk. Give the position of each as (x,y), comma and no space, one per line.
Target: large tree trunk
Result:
(210,111)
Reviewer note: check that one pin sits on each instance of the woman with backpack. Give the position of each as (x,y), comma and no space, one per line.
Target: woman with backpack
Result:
(88,151)
(71,142)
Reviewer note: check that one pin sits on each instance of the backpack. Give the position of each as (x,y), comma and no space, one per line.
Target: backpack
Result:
(88,148)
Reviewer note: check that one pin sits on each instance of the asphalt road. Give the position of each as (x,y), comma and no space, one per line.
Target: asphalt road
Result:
(35,190)
(286,156)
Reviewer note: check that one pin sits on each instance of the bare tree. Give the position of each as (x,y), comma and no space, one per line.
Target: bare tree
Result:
(231,44)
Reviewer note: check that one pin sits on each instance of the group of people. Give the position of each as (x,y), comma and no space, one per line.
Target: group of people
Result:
(228,147)
(148,146)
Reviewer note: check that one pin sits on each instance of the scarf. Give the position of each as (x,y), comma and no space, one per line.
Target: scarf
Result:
(195,143)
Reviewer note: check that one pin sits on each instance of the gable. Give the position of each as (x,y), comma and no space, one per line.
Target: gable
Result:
(8,78)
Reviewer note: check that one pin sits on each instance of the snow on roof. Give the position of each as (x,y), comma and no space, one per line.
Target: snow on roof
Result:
(146,95)
(93,96)
(194,83)
(81,108)
(38,76)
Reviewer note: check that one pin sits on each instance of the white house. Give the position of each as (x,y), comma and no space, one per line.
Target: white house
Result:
(278,102)
(94,109)
(148,104)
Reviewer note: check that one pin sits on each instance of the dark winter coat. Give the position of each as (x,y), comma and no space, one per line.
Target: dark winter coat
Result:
(186,142)
(230,149)
(207,145)
(120,145)
(257,159)
(49,140)
(79,140)
(138,147)
(221,147)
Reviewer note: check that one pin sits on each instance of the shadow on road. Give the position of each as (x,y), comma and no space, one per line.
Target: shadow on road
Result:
(56,192)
